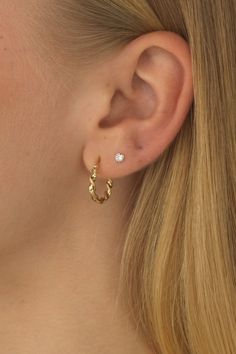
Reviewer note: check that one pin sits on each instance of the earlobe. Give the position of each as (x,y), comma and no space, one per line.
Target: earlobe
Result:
(153,92)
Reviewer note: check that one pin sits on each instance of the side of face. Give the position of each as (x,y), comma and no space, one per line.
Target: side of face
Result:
(36,139)
(56,120)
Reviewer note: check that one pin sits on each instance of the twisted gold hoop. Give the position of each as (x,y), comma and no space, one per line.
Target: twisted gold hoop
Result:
(92,186)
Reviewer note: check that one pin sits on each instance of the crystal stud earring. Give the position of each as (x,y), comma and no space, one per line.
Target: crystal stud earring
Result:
(119,157)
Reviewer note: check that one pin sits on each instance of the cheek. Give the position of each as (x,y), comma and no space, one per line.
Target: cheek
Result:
(32,100)
(26,90)
(20,96)
(13,75)
(38,139)
(35,149)
(15,57)
(31,117)
(19,85)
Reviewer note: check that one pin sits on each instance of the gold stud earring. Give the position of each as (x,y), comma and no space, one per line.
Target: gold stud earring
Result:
(92,186)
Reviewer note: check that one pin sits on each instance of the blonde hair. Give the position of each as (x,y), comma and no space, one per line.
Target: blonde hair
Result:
(178,267)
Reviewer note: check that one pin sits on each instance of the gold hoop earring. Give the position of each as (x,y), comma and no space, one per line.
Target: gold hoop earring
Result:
(92,186)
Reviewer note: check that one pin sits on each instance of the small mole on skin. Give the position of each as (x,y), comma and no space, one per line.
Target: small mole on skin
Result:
(138,146)
(1,37)
(4,48)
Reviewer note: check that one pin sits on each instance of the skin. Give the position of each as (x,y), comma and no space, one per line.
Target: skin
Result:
(59,250)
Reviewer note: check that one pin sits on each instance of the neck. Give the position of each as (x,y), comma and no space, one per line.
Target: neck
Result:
(63,283)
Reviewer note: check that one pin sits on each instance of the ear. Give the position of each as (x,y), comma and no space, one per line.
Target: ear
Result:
(146,93)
